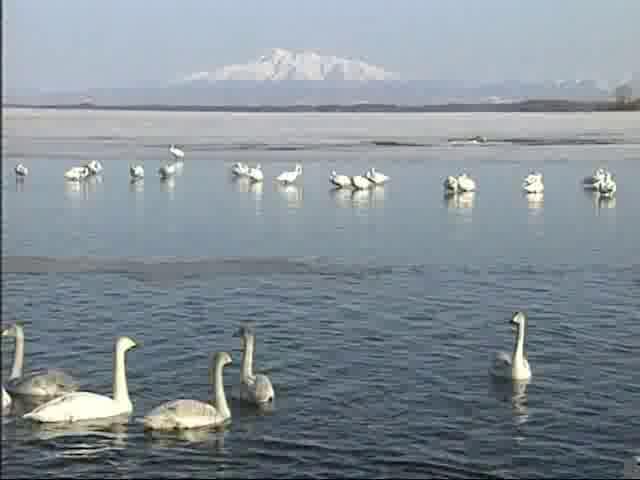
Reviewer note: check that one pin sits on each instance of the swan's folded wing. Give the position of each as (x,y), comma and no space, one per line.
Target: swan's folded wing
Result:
(182,414)
(501,360)
(44,382)
(263,388)
(70,407)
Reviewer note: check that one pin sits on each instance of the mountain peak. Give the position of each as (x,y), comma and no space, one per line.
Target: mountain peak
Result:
(278,64)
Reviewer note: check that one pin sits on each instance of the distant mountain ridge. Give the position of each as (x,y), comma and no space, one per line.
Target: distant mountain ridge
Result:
(280,64)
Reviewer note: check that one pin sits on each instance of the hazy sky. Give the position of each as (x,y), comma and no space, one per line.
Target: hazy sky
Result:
(71,44)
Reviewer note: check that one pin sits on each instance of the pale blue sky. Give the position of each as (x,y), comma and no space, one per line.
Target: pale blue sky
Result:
(71,44)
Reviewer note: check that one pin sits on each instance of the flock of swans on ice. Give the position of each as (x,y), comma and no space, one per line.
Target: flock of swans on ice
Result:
(601,181)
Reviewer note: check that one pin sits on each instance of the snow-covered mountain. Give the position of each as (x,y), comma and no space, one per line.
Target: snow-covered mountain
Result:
(280,64)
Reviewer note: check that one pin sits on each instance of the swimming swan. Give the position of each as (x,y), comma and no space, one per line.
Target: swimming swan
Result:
(76,173)
(607,186)
(465,183)
(341,181)
(534,185)
(136,171)
(360,182)
(255,173)
(290,177)
(376,177)
(240,169)
(253,388)
(451,184)
(516,366)
(80,406)
(21,170)
(184,414)
(39,383)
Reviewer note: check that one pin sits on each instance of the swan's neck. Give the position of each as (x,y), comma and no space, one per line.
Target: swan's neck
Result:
(18,354)
(219,399)
(120,389)
(518,350)
(247,357)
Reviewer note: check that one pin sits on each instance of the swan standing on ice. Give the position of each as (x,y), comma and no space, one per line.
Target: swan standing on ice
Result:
(451,184)
(253,388)
(136,172)
(290,176)
(533,183)
(240,169)
(255,173)
(21,170)
(340,181)
(516,366)
(465,183)
(360,183)
(43,383)
(184,414)
(376,177)
(176,152)
(76,173)
(79,406)
(6,399)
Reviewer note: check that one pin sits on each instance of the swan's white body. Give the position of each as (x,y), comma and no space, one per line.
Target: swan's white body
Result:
(290,177)
(185,414)
(253,388)
(360,182)
(6,399)
(465,183)
(533,186)
(341,181)
(607,186)
(21,170)
(168,170)
(516,365)
(176,152)
(592,181)
(632,468)
(240,169)
(451,184)
(76,173)
(255,173)
(376,177)
(136,171)
(81,406)
(533,177)
(43,383)
(94,167)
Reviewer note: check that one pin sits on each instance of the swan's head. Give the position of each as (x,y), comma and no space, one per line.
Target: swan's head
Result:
(126,343)
(518,319)
(222,358)
(12,331)
(245,332)
(333,173)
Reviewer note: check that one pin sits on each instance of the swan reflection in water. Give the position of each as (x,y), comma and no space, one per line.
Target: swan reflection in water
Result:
(461,203)
(136,185)
(359,198)
(168,185)
(534,201)
(515,393)
(213,436)
(20,184)
(600,201)
(291,193)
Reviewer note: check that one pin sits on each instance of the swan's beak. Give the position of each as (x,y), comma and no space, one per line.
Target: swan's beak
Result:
(137,345)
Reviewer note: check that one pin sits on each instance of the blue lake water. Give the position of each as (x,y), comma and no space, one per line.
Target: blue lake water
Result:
(377,312)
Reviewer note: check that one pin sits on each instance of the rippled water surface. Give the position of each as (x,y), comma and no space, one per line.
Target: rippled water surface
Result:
(377,313)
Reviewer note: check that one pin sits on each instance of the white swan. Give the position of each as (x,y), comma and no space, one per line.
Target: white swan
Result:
(290,176)
(451,184)
(592,181)
(533,177)
(76,173)
(360,182)
(465,183)
(80,406)
(39,383)
(253,388)
(607,186)
(94,167)
(255,173)
(136,171)
(176,152)
(167,170)
(632,468)
(6,398)
(240,169)
(516,366)
(376,177)
(21,170)
(341,181)
(185,414)
(533,186)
